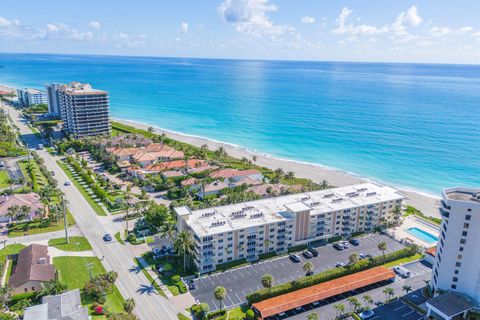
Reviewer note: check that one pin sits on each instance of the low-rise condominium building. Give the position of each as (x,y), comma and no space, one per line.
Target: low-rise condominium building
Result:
(248,230)
(28,97)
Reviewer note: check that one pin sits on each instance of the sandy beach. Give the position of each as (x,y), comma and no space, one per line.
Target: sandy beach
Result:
(425,203)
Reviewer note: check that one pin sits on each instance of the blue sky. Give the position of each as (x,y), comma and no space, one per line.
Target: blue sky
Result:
(351,30)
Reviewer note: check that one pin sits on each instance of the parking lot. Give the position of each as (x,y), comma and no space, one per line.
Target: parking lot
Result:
(242,281)
(396,310)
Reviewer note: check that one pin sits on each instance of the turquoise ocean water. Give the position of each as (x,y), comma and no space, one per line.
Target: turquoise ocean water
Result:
(411,125)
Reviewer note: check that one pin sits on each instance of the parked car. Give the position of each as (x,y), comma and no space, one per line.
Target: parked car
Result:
(307,254)
(67,183)
(156,252)
(107,237)
(52,172)
(340,264)
(402,271)
(315,303)
(355,241)
(294,258)
(313,251)
(160,269)
(192,285)
(345,244)
(367,314)
(338,246)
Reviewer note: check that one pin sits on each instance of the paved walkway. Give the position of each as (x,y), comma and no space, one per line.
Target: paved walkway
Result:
(54,252)
(72,231)
(154,275)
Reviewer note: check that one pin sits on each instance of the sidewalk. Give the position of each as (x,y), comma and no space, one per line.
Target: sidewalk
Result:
(154,275)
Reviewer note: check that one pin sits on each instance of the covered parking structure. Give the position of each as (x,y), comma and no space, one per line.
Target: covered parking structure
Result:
(305,296)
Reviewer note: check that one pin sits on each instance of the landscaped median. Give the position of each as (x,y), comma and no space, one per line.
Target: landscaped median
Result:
(331,274)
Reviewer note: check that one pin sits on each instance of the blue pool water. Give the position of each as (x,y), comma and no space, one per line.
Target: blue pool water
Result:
(423,235)
(411,125)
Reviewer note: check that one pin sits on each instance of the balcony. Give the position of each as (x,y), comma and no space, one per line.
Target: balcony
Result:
(444,213)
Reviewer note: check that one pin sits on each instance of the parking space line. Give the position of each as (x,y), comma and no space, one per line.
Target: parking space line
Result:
(398,308)
(407,314)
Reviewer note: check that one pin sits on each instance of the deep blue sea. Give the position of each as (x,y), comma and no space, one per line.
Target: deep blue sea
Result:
(412,125)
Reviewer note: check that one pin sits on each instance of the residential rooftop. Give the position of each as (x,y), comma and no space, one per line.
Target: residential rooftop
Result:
(254,213)
(76,88)
(462,194)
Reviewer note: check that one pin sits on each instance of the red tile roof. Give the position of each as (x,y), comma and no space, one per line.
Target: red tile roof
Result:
(431,251)
(322,291)
(177,164)
(230,173)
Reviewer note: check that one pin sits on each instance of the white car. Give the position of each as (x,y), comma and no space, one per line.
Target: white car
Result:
(367,314)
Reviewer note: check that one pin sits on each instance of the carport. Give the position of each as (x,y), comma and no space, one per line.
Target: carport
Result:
(299,298)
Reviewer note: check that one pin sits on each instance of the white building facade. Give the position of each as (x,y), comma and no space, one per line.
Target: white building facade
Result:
(28,97)
(53,99)
(457,263)
(85,111)
(248,230)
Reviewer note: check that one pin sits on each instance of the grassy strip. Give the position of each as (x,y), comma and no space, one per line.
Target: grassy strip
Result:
(403,260)
(149,277)
(35,227)
(4,177)
(119,238)
(74,273)
(10,249)
(95,206)
(414,211)
(76,243)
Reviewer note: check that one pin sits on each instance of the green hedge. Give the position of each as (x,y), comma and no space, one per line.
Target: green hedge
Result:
(297,248)
(219,315)
(231,264)
(334,239)
(331,274)
(267,255)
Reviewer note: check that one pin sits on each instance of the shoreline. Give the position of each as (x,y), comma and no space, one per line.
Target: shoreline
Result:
(426,203)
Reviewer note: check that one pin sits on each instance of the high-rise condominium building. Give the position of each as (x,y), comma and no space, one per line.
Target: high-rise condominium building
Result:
(28,97)
(457,263)
(247,230)
(53,98)
(85,111)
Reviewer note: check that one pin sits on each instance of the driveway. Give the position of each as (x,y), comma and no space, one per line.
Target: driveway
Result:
(242,281)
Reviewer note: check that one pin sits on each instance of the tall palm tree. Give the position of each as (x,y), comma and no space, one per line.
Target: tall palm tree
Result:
(183,245)
(129,305)
(24,212)
(267,281)
(254,159)
(266,242)
(52,287)
(339,308)
(220,293)
(368,300)
(397,213)
(389,292)
(382,246)
(290,175)
(324,185)
(406,288)
(308,267)
(12,212)
(167,230)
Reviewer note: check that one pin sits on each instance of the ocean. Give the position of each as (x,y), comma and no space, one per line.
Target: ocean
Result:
(414,126)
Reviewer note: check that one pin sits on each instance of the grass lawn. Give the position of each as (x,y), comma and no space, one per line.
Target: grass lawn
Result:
(172,268)
(4,177)
(238,313)
(403,260)
(76,243)
(149,277)
(74,273)
(37,179)
(119,238)
(34,228)
(182,317)
(95,206)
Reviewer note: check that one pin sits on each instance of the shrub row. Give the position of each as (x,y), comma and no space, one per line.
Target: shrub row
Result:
(331,274)
(334,239)
(219,314)
(297,248)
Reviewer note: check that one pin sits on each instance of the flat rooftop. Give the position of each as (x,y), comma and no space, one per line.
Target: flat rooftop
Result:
(324,290)
(463,194)
(254,213)
(76,88)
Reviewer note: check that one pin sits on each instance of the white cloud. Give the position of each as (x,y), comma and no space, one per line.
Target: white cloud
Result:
(250,17)
(5,23)
(308,20)
(184,27)
(61,31)
(404,19)
(412,17)
(344,28)
(94,24)
(439,31)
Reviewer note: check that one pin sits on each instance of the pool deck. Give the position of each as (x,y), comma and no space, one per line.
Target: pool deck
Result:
(401,232)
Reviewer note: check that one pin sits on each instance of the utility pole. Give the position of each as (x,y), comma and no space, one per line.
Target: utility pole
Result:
(67,240)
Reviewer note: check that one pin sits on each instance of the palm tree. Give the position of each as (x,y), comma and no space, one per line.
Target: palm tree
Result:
(266,242)
(167,230)
(406,288)
(12,212)
(382,246)
(368,300)
(267,281)
(24,212)
(254,159)
(339,308)
(312,316)
(220,152)
(290,175)
(389,292)
(308,267)
(354,258)
(129,305)
(324,185)
(397,213)
(220,293)
(353,302)
(150,130)
(52,287)
(183,245)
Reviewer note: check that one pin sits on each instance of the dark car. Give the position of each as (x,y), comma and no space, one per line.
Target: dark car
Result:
(107,237)
(192,285)
(307,254)
(354,242)
(313,251)
(294,258)
(338,246)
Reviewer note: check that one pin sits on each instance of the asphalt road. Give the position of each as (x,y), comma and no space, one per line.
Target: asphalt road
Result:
(131,282)
(242,281)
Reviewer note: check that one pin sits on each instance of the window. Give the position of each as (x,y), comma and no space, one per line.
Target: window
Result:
(242,236)
(459,257)
(469,210)
(33,288)
(220,261)
(461,249)
(458,264)
(26,290)
(463,241)
(466,225)
(230,239)
(454,286)
(220,240)
(464,233)
(468,217)
(455,279)
(456,272)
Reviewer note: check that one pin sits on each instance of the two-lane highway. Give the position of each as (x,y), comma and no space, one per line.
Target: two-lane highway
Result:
(117,257)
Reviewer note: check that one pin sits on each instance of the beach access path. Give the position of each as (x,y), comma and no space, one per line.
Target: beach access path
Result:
(117,257)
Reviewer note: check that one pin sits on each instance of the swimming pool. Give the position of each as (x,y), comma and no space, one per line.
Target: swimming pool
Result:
(422,235)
